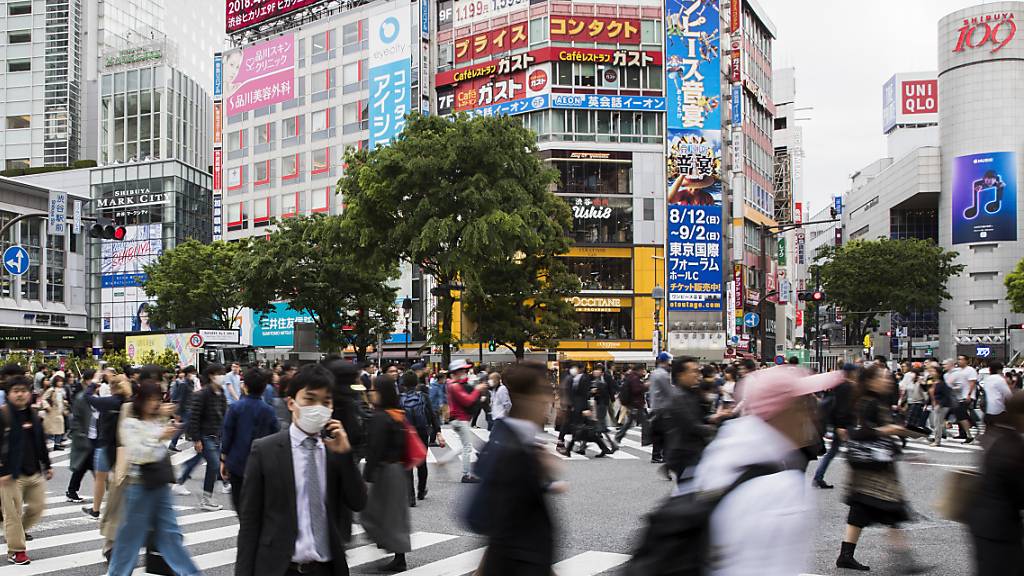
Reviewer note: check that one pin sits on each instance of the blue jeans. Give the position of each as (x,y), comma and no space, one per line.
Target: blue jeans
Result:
(147,511)
(177,435)
(210,453)
(819,474)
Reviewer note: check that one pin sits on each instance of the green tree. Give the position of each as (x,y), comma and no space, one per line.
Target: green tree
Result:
(865,277)
(1015,288)
(195,286)
(452,196)
(314,266)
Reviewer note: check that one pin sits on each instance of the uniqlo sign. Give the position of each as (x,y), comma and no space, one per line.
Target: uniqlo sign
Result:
(920,96)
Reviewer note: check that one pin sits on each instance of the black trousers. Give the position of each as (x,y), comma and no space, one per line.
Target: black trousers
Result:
(236,482)
(325,569)
(75,484)
(998,558)
(659,426)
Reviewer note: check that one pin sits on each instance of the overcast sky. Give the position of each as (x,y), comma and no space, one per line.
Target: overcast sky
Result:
(843,53)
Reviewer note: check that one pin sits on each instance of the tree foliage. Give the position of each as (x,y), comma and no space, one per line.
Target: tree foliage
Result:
(195,286)
(313,265)
(1015,288)
(451,195)
(868,276)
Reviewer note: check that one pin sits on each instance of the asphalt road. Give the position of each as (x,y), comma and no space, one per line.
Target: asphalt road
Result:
(597,520)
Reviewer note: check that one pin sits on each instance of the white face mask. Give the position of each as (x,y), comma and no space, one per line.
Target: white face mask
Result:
(574,370)
(217,379)
(312,419)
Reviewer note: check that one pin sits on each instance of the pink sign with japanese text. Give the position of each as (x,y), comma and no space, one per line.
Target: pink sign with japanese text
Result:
(259,75)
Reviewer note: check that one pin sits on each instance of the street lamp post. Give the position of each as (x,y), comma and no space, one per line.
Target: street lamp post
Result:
(407,312)
(657,293)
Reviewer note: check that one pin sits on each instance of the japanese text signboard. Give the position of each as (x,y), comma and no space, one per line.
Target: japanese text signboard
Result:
(260,75)
(694,155)
(492,42)
(242,14)
(390,67)
(594,29)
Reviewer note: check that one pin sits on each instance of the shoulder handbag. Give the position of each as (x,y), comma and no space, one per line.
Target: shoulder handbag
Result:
(874,454)
(157,474)
(415,452)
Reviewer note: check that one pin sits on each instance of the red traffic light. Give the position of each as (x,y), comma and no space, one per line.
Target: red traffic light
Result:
(818,296)
(888,333)
(106,230)
(120,232)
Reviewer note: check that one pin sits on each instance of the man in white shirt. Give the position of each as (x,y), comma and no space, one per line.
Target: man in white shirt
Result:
(997,393)
(233,383)
(962,379)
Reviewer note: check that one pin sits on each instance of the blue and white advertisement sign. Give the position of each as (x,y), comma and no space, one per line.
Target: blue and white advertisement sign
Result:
(276,328)
(390,73)
(597,102)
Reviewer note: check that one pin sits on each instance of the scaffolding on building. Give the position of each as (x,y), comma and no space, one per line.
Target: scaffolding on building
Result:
(783,184)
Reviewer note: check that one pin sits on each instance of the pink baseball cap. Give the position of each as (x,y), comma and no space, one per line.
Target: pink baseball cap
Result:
(768,392)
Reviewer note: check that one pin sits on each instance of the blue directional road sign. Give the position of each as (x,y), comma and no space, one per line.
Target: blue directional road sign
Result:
(16,260)
(751,319)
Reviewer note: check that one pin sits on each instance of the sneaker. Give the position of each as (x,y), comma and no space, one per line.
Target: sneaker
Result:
(174,449)
(225,489)
(180,490)
(28,537)
(422,494)
(18,558)
(209,504)
(74,497)
(470,479)
(969,440)
(58,447)
(823,485)
(89,512)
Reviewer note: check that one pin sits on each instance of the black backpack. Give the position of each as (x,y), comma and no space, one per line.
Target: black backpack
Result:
(677,539)
(415,407)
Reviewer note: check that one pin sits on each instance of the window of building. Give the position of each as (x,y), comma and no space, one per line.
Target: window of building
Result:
(584,74)
(263,134)
(19,65)
(237,217)
(649,209)
(445,56)
(290,166)
(261,172)
(19,122)
(355,116)
(602,273)
(539,30)
(321,161)
(19,37)
(322,81)
(291,127)
(291,204)
(601,220)
(321,200)
(650,32)
(19,8)
(236,177)
(582,177)
(611,325)
(237,140)
(350,34)
(31,241)
(321,120)
(16,163)
(321,43)
(350,74)
(55,268)
(261,212)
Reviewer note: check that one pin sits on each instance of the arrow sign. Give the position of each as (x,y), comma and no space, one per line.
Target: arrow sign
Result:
(751,319)
(16,260)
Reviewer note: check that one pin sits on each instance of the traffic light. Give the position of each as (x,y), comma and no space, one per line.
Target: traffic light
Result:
(1015,327)
(105,229)
(815,296)
(492,346)
(888,333)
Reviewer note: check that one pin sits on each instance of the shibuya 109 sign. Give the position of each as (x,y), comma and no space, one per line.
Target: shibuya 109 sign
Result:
(991,31)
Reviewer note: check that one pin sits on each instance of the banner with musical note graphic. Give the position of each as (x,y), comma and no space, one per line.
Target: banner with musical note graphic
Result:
(985,198)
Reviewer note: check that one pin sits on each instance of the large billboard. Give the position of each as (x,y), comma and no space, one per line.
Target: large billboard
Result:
(390,66)
(259,75)
(910,98)
(242,14)
(277,327)
(985,198)
(693,155)
(123,302)
(468,12)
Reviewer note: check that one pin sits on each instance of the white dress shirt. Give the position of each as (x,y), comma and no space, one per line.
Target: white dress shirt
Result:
(997,392)
(500,403)
(305,548)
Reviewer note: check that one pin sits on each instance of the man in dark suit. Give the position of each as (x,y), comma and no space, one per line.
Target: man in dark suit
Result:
(510,507)
(301,487)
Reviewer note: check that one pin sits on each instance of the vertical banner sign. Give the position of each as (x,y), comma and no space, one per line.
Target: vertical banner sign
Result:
(838,204)
(985,198)
(730,305)
(218,169)
(737,105)
(390,73)
(782,250)
(58,212)
(738,297)
(218,123)
(798,213)
(801,242)
(693,155)
(218,216)
(424,83)
(218,76)
(735,9)
(77,217)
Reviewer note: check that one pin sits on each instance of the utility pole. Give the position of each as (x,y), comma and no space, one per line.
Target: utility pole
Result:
(817,321)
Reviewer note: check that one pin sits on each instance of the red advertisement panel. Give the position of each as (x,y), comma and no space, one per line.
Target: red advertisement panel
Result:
(218,161)
(242,14)
(920,96)
(481,92)
(593,29)
(513,63)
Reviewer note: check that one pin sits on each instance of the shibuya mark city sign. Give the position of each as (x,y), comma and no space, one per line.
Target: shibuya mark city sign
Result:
(992,31)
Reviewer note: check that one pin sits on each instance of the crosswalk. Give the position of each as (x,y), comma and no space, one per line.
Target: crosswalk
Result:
(68,543)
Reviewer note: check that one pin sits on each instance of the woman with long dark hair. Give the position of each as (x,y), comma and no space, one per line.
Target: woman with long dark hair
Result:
(386,517)
(875,495)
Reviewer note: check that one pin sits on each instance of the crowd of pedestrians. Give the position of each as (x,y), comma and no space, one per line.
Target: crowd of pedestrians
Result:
(304,451)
